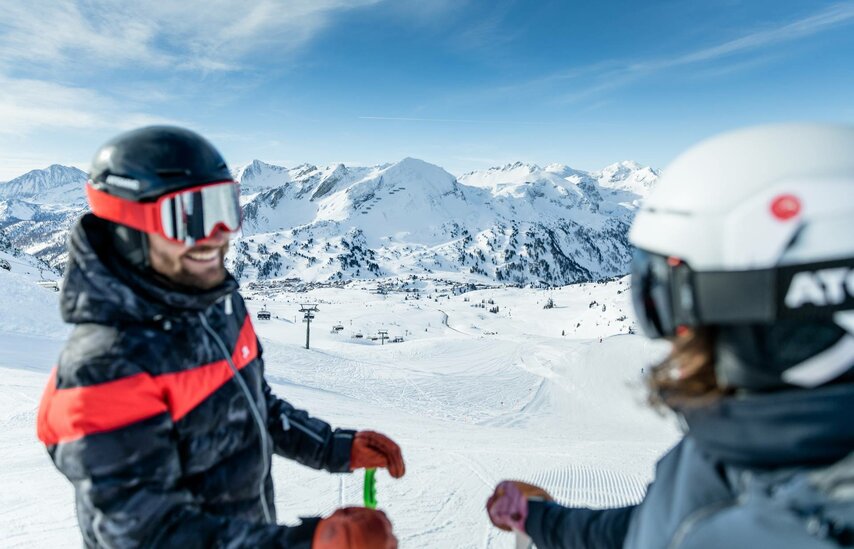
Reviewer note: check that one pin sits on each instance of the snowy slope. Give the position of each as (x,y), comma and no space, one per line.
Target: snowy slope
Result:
(26,307)
(30,309)
(31,334)
(472,396)
(40,230)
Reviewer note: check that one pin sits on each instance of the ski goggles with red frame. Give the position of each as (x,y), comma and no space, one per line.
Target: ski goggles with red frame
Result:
(188,216)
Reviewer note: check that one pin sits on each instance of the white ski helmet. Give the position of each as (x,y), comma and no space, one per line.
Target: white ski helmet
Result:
(753,232)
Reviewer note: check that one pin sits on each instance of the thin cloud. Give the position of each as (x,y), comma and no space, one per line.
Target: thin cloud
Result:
(411,119)
(830,17)
(741,66)
(454,120)
(620,74)
(585,82)
(45,47)
(28,105)
(44,35)
(214,35)
(490,30)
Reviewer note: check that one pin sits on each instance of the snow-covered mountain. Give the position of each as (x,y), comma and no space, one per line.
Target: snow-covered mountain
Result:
(627,176)
(38,208)
(259,176)
(55,184)
(517,224)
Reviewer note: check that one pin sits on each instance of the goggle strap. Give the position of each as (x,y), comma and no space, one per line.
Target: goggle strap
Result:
(811,291)
(140,216)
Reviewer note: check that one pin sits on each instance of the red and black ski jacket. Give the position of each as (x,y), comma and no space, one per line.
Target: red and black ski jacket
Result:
(145,416)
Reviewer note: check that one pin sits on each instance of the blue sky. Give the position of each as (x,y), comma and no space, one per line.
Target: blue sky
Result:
(463,84)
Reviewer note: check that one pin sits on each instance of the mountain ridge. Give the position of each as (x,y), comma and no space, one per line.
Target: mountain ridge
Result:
(54,184)
(515,224)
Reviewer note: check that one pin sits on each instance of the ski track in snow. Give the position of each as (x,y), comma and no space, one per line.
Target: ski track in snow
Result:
(583,486)
(468,409)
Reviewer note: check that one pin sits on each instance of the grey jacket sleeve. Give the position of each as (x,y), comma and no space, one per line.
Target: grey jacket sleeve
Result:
(306,439)
(552,526)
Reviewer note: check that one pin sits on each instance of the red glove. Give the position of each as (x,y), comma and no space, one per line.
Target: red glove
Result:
(372,449)
(508,505)
(354,528)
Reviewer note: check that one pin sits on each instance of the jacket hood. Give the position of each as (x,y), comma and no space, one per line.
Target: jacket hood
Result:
(790,428)
(99,288)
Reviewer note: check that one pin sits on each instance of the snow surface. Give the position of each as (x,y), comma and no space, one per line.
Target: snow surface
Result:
(26,307)
(473,397)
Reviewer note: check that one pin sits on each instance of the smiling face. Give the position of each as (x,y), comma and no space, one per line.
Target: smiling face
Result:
(201,266)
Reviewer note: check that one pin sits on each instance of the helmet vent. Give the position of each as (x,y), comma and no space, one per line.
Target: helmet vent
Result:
(172,173)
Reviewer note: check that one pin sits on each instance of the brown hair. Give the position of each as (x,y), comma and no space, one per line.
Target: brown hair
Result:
(686,378)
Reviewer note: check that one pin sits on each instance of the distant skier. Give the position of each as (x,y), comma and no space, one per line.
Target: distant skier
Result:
(745,262)
(158,411)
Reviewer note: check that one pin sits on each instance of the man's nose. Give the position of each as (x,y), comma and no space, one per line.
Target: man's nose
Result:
(219,237)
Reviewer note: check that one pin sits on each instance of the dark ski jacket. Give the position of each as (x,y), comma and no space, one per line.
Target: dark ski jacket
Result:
(760,471)
(146,418)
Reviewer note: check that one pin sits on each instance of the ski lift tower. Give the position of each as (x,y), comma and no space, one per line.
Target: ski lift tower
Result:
(383,336)
(307,310)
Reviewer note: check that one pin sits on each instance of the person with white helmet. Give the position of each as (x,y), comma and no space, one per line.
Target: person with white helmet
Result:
(745,262)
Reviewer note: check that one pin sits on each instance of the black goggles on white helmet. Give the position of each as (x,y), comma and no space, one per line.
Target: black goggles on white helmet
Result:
(669,297)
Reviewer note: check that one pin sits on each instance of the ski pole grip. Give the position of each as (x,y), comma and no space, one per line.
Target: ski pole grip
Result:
(370,492)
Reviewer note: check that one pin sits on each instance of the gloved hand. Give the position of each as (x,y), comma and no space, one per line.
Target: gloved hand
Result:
(354,528)
(372,449)
(508,505)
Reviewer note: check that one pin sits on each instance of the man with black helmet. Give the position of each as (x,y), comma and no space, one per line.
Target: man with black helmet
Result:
(158,411)
(745,262)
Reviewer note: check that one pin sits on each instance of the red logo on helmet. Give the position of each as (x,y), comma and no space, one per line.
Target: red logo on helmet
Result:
(785,207)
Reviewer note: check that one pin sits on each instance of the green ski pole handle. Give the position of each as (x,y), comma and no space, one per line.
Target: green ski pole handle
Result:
(370,493)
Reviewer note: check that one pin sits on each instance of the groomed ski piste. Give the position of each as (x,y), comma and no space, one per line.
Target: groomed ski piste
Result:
(472,396)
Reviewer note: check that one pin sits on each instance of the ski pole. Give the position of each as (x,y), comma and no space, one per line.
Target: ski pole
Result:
(370,492)
(523,541)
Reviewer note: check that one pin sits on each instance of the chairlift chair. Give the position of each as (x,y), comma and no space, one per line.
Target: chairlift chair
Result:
(49,284)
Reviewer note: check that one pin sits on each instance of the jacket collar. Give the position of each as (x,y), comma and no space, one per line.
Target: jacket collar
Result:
(99,288)
(791,428)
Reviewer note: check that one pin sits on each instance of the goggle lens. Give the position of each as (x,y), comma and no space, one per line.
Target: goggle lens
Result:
(193,215)
(651,295)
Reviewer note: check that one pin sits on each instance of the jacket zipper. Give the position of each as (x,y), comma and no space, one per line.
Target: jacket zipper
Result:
(253,407)
(700,514)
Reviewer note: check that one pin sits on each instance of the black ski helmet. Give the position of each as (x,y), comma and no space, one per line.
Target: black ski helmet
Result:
(143,164)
